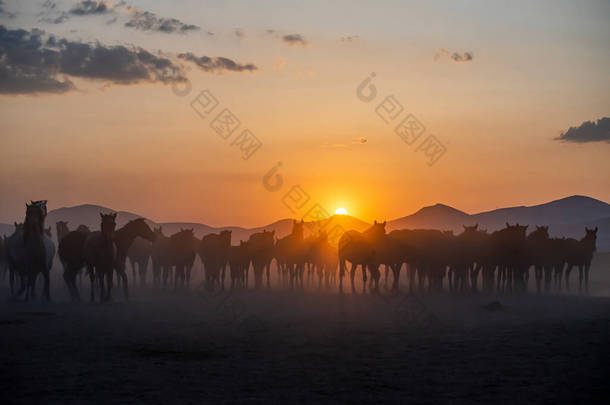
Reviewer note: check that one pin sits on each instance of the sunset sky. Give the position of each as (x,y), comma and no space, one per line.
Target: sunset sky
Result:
(494,81)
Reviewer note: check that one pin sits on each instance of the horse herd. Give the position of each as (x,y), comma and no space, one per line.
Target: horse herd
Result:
(473,260)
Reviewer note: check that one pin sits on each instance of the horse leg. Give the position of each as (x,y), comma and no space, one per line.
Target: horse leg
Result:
(587,268)
(122,275)
(352,275)
(567,271)
(364,278)
(580,277)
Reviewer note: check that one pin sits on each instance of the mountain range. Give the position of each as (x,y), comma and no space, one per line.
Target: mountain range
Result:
(566,217)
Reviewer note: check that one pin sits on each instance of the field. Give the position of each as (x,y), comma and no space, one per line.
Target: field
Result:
(276,346)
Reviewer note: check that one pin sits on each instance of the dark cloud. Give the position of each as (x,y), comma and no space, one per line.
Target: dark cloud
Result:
(29,64)
(218,64)
(89,7)
(147,21)
(294,39)
(588,131)
(455,56)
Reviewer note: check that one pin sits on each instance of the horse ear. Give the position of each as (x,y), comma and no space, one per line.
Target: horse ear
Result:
(375,222)
(507,225)
(384,222)
(101,215)
(595,230)
(114,216)
(476,226)
(464,227)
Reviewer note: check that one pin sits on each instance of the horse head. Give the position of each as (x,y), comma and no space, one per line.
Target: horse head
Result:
(108,225)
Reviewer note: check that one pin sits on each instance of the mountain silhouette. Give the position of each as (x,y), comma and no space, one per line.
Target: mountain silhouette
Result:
(566,217)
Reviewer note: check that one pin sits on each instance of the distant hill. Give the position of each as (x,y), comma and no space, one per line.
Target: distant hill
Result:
(437,216)
(566,217)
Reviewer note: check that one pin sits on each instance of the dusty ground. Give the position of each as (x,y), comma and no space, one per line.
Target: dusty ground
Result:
(307,347)
(282,347)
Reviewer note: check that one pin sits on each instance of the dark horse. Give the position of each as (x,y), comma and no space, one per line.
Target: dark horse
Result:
(359,248)
(38,250)
(123,238)
(71,256)
(182,252)
(580,253)
(214,252)
(260,251)
(99,253)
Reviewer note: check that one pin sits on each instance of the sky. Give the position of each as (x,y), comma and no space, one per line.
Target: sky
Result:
(105,103)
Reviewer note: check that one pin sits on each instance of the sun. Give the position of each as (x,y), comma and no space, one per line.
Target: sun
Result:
(341,211)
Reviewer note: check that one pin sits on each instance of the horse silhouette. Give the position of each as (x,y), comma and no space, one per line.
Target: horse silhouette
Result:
(61,228)
(291,253)
(15,251)
(139,255)
(182,252)
(325,260)
(580,253)
(214,252)
(70,251)
(239,261)
(100,256)
(359,248)
(35,256)
(161,258)
(261,250)
(123,238)
(510,253)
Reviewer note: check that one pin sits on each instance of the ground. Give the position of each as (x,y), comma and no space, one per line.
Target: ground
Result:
(306,347)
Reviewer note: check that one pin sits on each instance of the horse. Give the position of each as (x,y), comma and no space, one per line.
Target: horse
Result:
(123,238)
(100,255)
(261,250)
(36,253)
(509,252)
(160,256)
(325,260)
(239,261)
(291,253)
(214,253)
(580,253)
(15,253)
(182,252)
(139,254)
(359,249)
(61,228)
(70,250)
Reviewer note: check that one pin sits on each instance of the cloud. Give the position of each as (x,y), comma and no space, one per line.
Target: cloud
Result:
(89,7)
(31,65)
(147,21)
(218,64)
(588,131)
(455,56)
(294,39)
(350,38)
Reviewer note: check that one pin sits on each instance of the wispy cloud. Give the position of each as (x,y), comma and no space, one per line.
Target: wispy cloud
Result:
(588,131)
(454,56)
(350,38)
(3,12)
(217,64)
(147,21)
